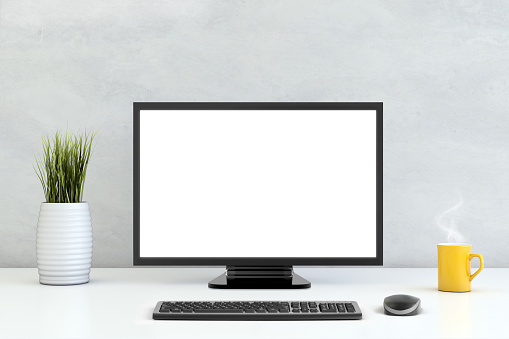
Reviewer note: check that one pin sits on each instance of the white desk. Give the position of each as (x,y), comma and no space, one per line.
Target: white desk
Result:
(118,303)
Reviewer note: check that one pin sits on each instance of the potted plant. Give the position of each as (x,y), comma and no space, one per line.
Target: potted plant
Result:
(64,228)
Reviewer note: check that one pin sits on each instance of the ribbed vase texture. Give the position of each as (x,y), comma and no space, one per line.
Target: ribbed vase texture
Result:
(64,243)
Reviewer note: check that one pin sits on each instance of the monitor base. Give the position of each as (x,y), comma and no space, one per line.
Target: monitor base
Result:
(256,277)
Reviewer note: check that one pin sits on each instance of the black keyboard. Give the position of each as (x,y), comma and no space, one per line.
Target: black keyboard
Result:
(257,310)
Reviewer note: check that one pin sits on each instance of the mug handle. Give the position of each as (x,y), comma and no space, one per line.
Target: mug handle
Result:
(480,267)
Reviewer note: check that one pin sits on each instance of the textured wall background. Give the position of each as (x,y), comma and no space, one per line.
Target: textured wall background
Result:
(441,69)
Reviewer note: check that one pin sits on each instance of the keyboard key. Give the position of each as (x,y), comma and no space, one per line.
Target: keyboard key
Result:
(218,310)
(328,308)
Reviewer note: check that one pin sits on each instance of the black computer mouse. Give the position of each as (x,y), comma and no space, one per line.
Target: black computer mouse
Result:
(402,304)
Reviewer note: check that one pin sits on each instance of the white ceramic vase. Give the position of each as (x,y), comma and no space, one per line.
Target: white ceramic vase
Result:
(64,243)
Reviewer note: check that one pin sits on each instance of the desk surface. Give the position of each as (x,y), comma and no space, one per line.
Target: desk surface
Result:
(118,303)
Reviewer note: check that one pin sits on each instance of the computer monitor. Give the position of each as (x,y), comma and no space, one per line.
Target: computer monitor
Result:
(258,188)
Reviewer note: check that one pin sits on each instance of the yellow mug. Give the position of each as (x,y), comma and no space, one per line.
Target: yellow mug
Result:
(454,267)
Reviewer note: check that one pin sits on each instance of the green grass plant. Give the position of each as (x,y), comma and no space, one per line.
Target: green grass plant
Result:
(63,166)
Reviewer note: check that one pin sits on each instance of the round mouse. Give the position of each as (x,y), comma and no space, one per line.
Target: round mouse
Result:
(402,304)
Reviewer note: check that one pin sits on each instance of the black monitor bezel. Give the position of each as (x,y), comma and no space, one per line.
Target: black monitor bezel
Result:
(258,261)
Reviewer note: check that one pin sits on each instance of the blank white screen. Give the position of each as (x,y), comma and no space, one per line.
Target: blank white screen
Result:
(257,183)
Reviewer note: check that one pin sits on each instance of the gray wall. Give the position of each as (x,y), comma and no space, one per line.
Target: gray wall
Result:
(440,67)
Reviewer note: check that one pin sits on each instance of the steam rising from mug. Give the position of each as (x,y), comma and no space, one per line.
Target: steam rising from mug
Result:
(447,221)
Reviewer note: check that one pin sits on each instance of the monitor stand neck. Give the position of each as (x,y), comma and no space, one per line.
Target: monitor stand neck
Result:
(250,277)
